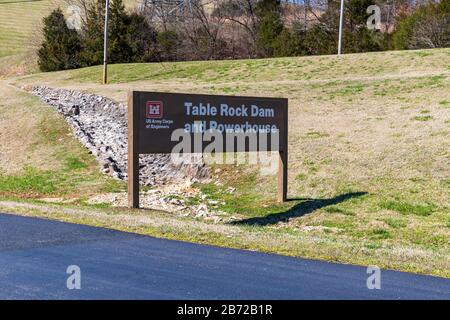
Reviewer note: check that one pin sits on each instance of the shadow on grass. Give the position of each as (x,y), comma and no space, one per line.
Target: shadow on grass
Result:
(298,210)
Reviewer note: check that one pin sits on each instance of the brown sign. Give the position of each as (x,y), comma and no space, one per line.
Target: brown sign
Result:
(157,121)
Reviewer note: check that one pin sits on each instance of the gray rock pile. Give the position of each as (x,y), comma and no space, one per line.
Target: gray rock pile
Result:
(101,126)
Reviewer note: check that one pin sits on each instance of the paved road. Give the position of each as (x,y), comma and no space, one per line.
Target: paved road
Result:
(35,253)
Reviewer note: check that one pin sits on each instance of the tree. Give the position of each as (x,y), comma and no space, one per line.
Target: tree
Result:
(131,38)
(168,45)
(92,34)
(120,47)
(291,42)
(322,38)
(201,32)
(269,26)
(241,21)
(427,27)
(142,39)
(61,45)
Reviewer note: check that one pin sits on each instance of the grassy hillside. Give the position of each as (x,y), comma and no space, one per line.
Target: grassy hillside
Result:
(19,20)
(369,139)
(39,155)
(20,26)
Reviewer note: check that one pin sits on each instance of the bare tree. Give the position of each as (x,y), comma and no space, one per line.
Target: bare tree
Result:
(305,13)
(240,12)
(164,13)
(433,31)
(203,30)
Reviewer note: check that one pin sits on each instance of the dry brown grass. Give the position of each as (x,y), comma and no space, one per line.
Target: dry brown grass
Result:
(20,137)
(376,123)
(39,155)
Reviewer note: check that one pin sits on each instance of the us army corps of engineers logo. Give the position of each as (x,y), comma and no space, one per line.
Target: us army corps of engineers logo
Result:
(154,109)
(154,116)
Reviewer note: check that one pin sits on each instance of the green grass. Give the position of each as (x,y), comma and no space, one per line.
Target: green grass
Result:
(423,118)
(395,223)
(367,182)
(336,209)
(316,135)
(281,69)
(408,208)
(18,22)
(423,53)
(245,201)
(73,163)
(444,103)
(73,180)
(380,234)
(351,90)
(40,157)
(32,181)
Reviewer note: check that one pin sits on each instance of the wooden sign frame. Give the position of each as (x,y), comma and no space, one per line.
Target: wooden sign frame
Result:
(136,142)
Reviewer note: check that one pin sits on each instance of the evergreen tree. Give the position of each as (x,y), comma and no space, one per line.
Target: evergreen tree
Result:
(323,37)
(168,44)
(143,39)
(92,34)
(119,40)
(269,26)
(290,42)
(131,38)
(61,45)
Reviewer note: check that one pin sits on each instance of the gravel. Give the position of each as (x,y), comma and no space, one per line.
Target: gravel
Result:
(101,126)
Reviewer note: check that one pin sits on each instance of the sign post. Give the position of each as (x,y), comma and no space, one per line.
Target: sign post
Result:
(282,176)
(167,122)
(106,45)
(341,22)
(133,153)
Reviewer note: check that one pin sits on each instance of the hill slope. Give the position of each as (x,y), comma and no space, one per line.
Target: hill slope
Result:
(20,25)
(369,139)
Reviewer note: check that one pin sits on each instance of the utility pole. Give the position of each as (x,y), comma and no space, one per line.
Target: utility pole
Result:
(341,21)
(305,7)
(105,46)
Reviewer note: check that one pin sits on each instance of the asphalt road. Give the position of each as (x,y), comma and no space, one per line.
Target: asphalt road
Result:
(35,254)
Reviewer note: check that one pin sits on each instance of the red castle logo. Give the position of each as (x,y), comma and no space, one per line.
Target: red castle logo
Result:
(154,110)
